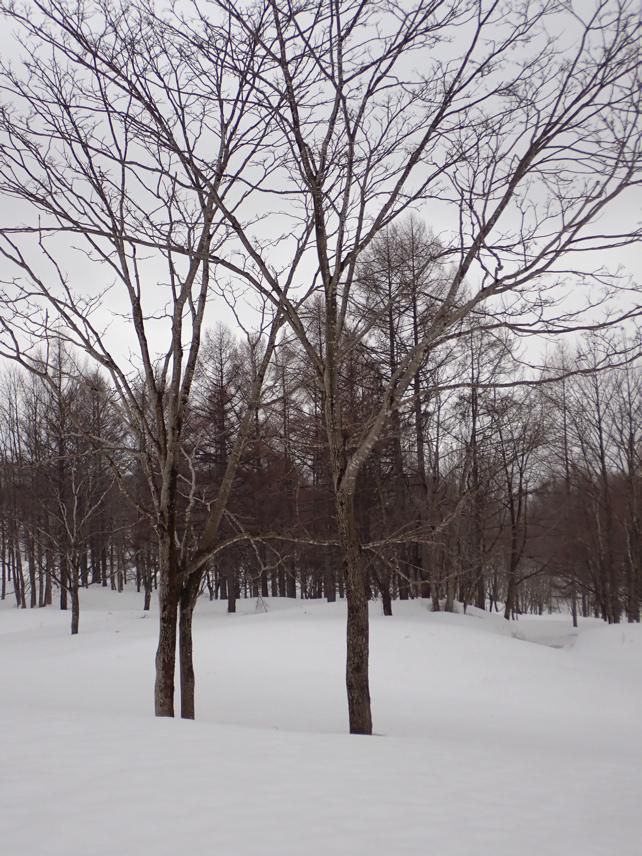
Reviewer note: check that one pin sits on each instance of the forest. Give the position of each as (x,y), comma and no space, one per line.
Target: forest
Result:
(519,496)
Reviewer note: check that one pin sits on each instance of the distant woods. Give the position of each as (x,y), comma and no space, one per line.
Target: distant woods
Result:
(520,498)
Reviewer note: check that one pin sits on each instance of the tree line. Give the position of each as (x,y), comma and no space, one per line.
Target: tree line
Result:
(523,497)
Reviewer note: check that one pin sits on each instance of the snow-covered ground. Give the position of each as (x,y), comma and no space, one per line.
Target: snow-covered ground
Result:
(492,739)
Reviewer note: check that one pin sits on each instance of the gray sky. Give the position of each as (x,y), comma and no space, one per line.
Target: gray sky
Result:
(627,211)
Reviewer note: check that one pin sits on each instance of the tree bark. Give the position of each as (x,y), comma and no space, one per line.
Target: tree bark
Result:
(64,580)
(75,604)
(357,682)
(168,619)
(147,600)
(189,596)
(386,600)
(231,588)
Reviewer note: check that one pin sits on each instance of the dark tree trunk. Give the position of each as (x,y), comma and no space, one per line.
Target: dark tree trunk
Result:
(75,603)
(281,579)
(168,619)
(64,582)
(31,555)
(147,601)
(103,565)
(3,560)
(48,579)
(434,590)
(383,585)
(478,500)
(265,590)
(231,589)
(386,600)
(291,581)
(574,605)
(189,596)
(329,578)
(41,584)
(166,656)
(510,606)
(19,580)
(84,568)
(357,682)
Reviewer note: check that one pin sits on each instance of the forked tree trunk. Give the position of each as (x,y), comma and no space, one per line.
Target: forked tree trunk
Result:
(357,682)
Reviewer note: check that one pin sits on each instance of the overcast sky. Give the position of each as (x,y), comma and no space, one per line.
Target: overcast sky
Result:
(628,211)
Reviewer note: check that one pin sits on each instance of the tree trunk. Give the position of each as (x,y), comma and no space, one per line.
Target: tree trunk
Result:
(386,600)
(383,581)
(291,579)
(31,555)
(168,615)
(19,580)
(574,606)
(75,603)
(64,582)
(357,683)
(510,605)
(147,583)
(48,579)
(231,589)
(3,561)
(189,596)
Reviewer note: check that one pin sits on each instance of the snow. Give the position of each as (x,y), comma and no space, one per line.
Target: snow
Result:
(492,738)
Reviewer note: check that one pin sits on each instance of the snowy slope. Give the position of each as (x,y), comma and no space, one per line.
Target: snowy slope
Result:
(490,741)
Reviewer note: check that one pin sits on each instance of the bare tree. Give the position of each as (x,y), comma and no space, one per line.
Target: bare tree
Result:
(518,139)
(113,136)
